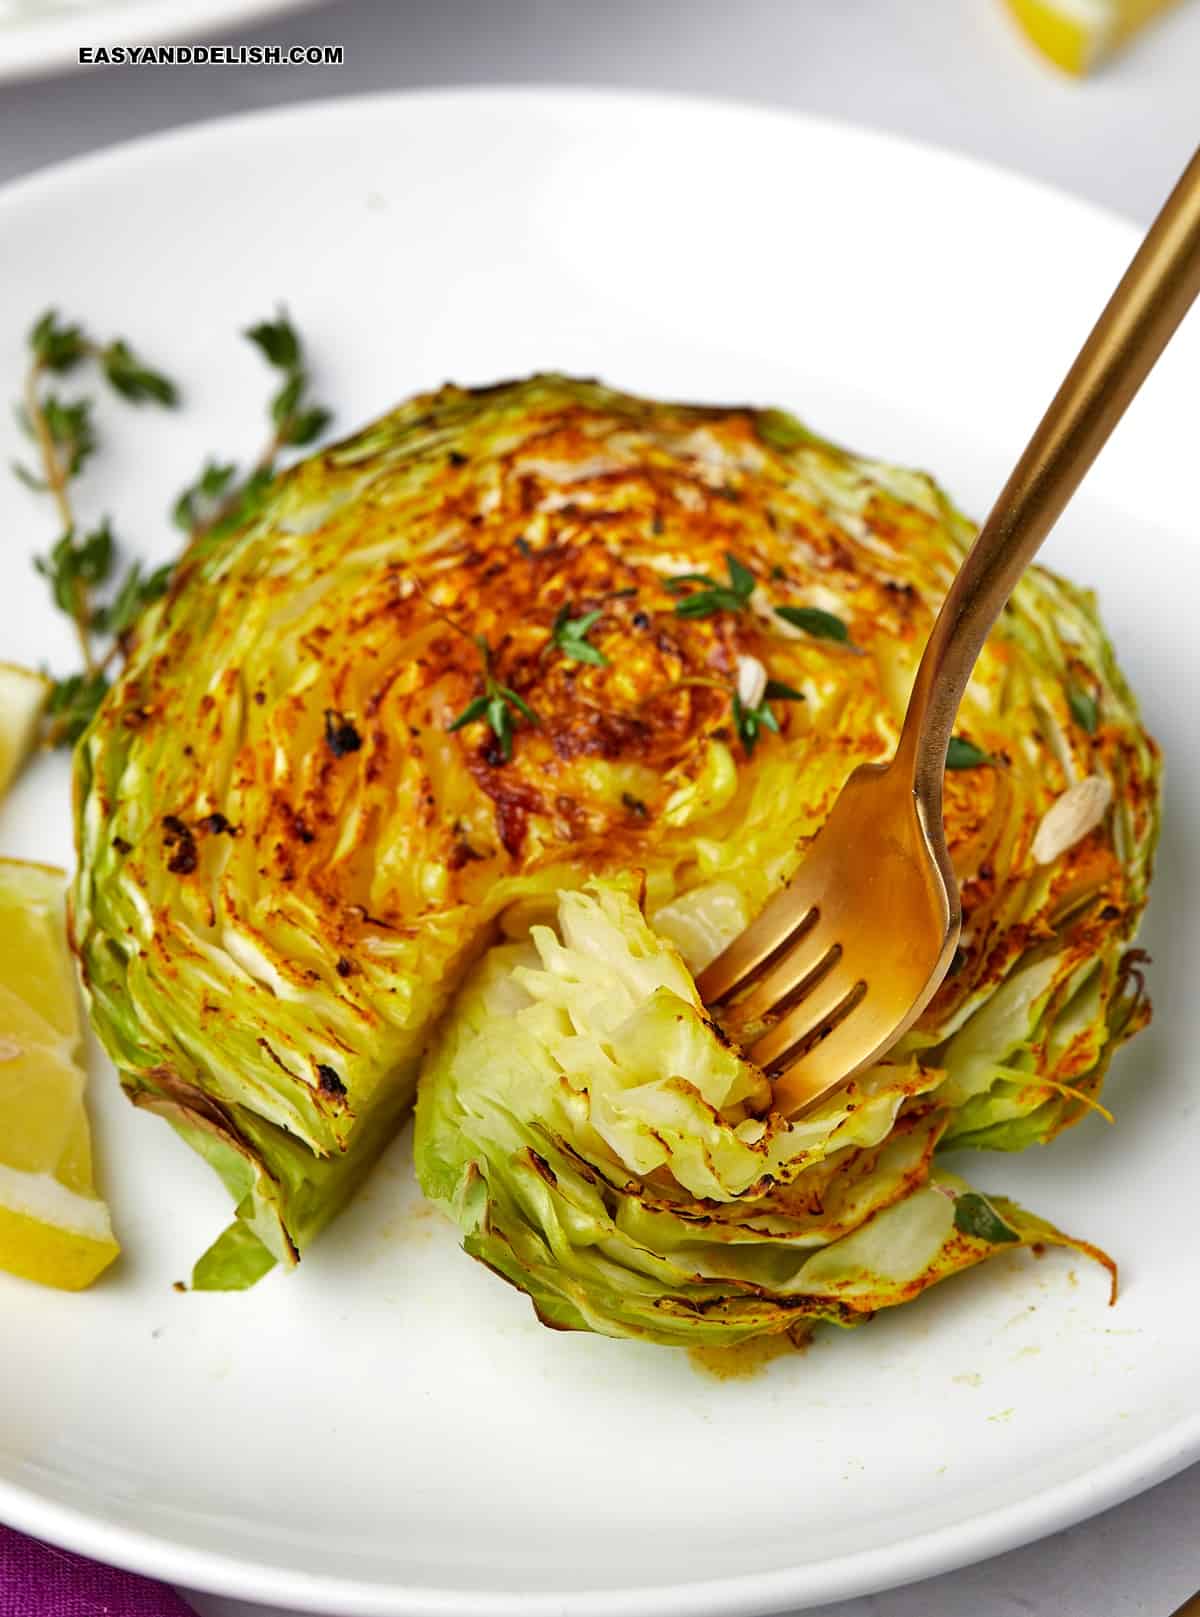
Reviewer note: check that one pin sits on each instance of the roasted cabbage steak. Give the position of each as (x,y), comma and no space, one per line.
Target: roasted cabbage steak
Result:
(498,719)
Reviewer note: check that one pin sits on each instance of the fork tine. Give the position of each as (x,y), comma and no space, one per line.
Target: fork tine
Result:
(825,1067)
(833,997)
(793,976)
(783,919)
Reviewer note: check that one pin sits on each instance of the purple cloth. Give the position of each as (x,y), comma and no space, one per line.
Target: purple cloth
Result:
(37,1580)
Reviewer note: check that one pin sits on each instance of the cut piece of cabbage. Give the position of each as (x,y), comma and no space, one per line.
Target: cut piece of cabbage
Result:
(603,1147)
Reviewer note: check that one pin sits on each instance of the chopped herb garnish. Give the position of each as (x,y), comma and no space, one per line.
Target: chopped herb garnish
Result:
(1084,708)
(570,635)
(777,691)
(750,721)
(821,625)
(978,1218)
(715,597)
(964,754)
(740,577)
(498,704)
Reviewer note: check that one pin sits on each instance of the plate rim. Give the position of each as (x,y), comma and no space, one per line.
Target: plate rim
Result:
(49,45)
(928,1554)
(70,169)
(889,1566)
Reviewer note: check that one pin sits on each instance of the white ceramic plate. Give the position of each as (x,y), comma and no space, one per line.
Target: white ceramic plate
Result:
(38,36)
(388,1430)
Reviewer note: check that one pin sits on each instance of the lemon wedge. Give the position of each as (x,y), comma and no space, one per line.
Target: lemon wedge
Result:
(53,1226)
(1079,34)
(23,696)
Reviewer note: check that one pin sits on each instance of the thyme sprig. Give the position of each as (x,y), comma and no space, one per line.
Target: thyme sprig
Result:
(103,599)
(81,563)
(750,720)
(219,500)
(500,707)
(751,713)
(497,706)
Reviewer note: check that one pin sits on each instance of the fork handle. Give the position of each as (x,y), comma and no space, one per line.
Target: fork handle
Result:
(1154,295)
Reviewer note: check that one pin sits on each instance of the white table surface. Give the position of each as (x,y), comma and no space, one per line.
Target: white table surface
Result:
(948,71)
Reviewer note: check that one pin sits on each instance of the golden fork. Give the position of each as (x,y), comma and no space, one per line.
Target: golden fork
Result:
(848,955)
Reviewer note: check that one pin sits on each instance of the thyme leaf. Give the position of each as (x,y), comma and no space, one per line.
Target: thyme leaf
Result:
(715,597)
(570,636)
(816,622)
(964,754)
